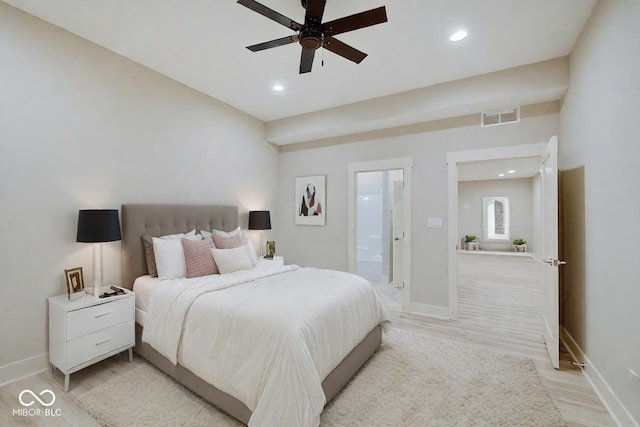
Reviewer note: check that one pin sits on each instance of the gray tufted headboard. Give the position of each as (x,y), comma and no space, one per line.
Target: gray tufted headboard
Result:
(158,220)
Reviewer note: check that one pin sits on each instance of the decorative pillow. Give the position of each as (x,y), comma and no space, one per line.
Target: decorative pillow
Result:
(224,240)
(197,257)
(230,260)
(149,256)
(169,256)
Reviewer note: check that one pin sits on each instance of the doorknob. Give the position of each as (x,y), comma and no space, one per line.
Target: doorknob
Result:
(397,238)
(554,262)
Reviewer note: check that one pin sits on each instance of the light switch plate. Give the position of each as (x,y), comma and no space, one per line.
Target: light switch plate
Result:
(434,222)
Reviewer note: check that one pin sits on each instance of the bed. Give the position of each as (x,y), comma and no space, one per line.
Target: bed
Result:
(158,220)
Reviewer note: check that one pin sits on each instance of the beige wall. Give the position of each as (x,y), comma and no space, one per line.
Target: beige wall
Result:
(81,127)
(327,246)
(470,217)
(600,133)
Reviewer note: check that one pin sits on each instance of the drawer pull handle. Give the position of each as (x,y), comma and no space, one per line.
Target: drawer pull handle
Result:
(103,342)
(101,315)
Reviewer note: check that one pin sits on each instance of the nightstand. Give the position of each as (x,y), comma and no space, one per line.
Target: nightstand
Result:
(89,329)
(275,261)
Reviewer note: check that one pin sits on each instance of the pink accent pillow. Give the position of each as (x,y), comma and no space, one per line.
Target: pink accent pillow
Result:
(227,242)
(198,259)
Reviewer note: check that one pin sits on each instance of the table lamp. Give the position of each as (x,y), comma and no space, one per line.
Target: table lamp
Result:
(260,220)
(98,226)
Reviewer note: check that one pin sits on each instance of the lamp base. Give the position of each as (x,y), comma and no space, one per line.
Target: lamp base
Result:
(97,269)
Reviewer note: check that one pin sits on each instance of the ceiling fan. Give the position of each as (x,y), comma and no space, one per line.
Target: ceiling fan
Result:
(314,34)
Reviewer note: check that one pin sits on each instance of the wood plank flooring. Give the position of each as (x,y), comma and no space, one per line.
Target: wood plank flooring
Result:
(495,313)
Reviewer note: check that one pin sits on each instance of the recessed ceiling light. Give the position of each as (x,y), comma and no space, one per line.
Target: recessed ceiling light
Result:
(501,174)
(458,35)
(511,171)
(278,88)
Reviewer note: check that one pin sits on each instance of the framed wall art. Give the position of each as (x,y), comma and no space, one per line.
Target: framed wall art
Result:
(310,200)
(75,282)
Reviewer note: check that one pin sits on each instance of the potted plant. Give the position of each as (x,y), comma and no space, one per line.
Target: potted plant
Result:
(519,245)
(471,242)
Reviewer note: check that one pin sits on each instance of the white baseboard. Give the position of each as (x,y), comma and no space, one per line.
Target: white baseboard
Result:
(23,368)
(429,310)
(618,411)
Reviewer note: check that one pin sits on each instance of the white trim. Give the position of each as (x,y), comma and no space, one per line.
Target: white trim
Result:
(616,408)
(406,164)
(24,368)
(453,236)
(497,153)
(429,310)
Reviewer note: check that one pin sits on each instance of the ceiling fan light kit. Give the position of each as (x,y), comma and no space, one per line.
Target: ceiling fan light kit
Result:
(314,34)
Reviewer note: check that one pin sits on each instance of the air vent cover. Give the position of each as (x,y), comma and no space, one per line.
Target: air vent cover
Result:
(501,117)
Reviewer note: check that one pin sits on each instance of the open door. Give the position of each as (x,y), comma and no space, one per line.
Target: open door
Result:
(398,233)
(550,273)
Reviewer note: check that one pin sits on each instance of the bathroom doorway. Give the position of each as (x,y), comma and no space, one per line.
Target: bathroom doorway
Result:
(380,224)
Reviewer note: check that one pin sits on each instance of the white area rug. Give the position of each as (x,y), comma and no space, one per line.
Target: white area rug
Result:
(414,380)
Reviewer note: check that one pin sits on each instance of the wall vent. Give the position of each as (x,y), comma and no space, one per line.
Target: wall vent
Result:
(500,117)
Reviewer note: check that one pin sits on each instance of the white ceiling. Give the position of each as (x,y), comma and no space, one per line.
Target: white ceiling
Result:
(201,43)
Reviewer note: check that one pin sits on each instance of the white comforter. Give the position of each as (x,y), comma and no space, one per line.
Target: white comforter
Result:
(266,336)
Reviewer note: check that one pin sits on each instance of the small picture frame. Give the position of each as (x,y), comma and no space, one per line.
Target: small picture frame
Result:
(310,200)
(75,282)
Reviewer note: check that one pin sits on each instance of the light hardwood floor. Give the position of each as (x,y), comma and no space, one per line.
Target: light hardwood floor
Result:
(495,313)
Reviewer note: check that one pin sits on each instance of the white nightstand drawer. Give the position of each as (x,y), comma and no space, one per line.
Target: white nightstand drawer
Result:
(82,322)
(94,345)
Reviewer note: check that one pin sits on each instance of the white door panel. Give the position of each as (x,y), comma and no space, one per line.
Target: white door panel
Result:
(398,233)
(550,276)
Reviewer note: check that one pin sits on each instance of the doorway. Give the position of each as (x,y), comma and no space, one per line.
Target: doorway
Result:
(380,226)
(546,235)
(379,221)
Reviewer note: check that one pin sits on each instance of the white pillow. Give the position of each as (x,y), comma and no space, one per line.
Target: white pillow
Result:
(169,256)
(221,233)
(230,260)
(251,251)
(226,234)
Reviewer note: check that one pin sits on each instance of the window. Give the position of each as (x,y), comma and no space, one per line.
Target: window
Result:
(496,218)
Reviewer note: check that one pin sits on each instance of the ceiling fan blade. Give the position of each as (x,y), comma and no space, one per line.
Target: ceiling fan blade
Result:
(306,60)
(315,10)
(355,22)
(271,14)
(273,43)
(344,50)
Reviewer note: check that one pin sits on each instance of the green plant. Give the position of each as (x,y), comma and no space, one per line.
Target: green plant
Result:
(519,242)
(470,238)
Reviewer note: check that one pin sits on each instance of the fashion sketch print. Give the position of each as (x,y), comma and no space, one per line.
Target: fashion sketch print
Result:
(310,201)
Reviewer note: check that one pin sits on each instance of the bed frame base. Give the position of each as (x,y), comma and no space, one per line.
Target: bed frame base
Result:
(332,384)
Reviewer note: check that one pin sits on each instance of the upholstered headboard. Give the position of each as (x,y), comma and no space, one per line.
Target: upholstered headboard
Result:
(158,220)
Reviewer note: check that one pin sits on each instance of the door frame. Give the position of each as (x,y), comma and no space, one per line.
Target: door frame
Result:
(453,159)
(406,164)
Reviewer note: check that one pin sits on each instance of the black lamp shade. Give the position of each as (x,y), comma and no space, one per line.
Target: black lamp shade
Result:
(259,220)
(98,225)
